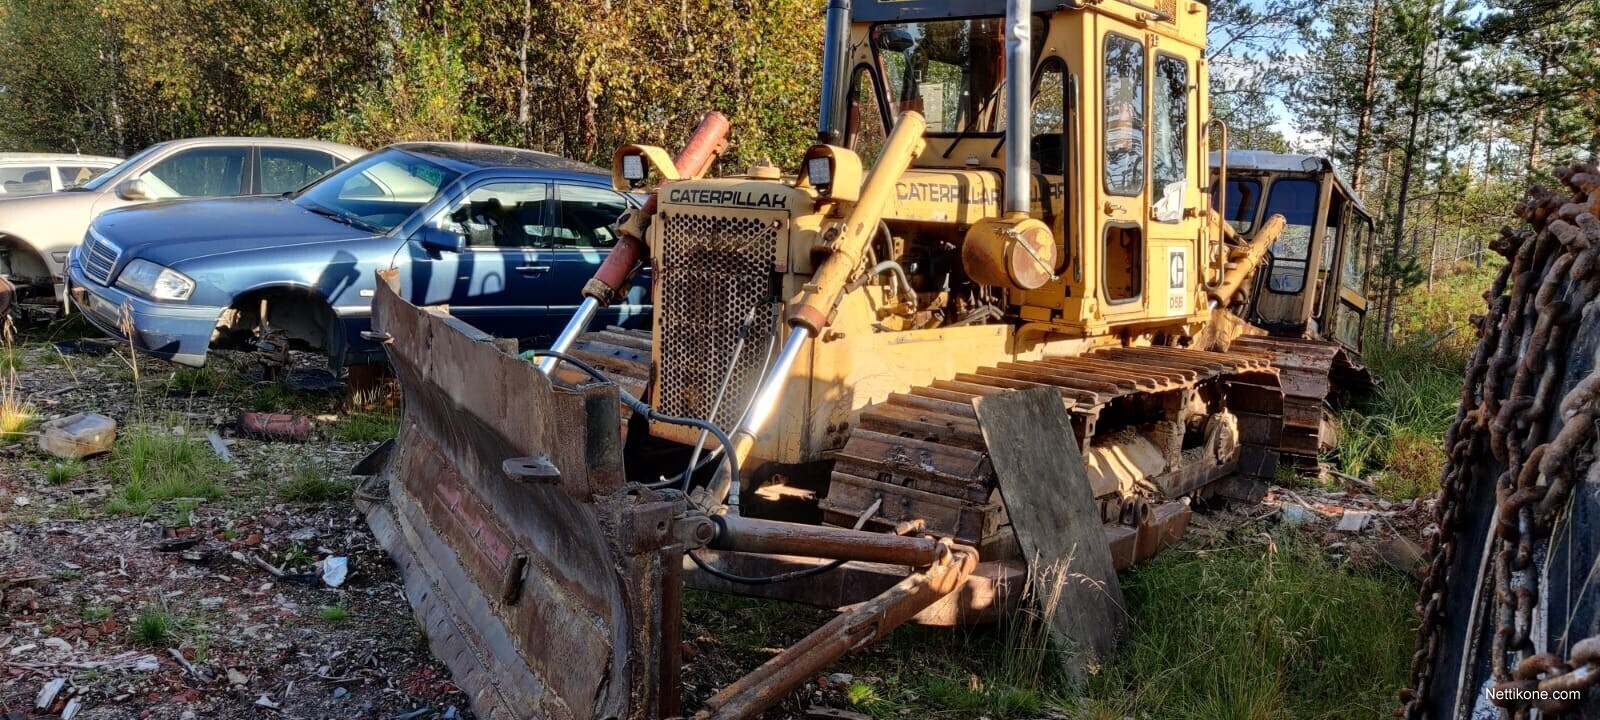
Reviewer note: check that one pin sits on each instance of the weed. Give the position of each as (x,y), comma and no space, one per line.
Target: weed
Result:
(12,358)
(62,472)
(334,613)
(1257,630)
(182,512)
(155,626)
(296,556)
(312,483)
(66,575)
(16,415)
(96,613)
(159,465)
(367,427)
(201,381)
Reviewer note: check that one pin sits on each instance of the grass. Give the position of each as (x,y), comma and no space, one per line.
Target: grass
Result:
(334,613)
(367,427)
(1395,437)
(96,613)
(17,416)
(154,626)
(311,482)
(61,472)
(1260,629)
(201,381)
(1256,627)
(158,465)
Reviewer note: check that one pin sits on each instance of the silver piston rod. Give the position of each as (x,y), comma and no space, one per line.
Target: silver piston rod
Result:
(569,334)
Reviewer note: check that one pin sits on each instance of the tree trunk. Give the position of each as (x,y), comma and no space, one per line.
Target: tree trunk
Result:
(1408,160)
(1369,79)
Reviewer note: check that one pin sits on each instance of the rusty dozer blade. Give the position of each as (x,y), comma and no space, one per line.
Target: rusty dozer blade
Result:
(549,585)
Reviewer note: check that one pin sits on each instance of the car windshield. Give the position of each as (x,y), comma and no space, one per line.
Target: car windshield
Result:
(377,192)
(110,176)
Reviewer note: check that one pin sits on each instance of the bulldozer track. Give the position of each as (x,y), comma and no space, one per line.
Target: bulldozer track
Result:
(922,454)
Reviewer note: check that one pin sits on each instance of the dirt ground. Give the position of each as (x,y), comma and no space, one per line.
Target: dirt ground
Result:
(216,608)
(175,614)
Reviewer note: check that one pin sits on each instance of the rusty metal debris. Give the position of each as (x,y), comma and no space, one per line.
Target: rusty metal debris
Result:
(1490,623)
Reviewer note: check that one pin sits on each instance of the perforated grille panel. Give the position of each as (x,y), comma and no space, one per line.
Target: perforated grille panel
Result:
(714,270)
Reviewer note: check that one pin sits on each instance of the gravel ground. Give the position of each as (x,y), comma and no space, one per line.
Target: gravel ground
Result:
(210,608)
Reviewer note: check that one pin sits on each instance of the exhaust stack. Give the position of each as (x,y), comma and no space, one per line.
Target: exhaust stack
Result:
(1019,105)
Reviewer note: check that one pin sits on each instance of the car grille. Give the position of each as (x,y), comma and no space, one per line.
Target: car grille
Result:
(99,258)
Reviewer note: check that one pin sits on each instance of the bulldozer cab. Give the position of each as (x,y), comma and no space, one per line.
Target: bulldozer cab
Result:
(1314,282)
(1113,133)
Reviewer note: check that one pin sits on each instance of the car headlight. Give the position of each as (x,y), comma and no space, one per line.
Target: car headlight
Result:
(154,281)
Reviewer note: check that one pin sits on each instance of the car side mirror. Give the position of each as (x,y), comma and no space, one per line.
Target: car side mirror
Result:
(441,240)
(134,189)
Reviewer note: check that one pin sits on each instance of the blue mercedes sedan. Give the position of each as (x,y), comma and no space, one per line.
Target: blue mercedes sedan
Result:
(505,237)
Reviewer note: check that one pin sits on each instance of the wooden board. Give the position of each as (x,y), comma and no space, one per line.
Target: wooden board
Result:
(1046,491)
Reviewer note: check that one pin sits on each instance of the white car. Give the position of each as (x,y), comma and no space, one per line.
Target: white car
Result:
(40,173)
(37,231)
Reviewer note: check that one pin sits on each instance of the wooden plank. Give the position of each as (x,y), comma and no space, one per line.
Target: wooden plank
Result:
(1045,488)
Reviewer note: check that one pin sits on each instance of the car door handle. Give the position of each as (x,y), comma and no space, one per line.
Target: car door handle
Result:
(533,269)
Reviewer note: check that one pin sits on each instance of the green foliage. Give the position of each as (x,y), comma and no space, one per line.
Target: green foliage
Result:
(367,427)
(157,464)
(334,613)
(311,482)
(154,626)
(1250,631)
(1396,435)
(64,471)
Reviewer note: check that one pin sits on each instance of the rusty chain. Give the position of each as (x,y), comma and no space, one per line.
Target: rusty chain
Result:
(1505,406)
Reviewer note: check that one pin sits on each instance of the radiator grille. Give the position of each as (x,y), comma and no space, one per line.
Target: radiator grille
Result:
(99,258)
(1170,8)
(714,271)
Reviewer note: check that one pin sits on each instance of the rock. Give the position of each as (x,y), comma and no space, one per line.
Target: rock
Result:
(58,644)
(305,534)
(840,678)
(47,694)
(237,678)
(1354,520)
(263,701)
(1296,515)
(187,715)
(340,693)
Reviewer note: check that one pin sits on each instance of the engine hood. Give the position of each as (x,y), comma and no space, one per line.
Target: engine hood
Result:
(182,232)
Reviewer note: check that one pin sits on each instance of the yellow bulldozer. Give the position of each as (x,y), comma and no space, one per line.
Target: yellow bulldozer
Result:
(992,322)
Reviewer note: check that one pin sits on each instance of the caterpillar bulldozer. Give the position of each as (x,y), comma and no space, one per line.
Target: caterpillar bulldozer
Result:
(1004,199)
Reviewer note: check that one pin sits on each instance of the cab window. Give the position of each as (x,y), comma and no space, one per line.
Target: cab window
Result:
(1296,201)
(1354,276)
(588,217)
(201,172)
(1124,115)
(1169,137)
(500,215)
(864,131)
(951,71)
(1050,116)
(1242,197)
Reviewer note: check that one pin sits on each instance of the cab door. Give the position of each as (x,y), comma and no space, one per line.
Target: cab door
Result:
(1123,199)
(1350,312)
